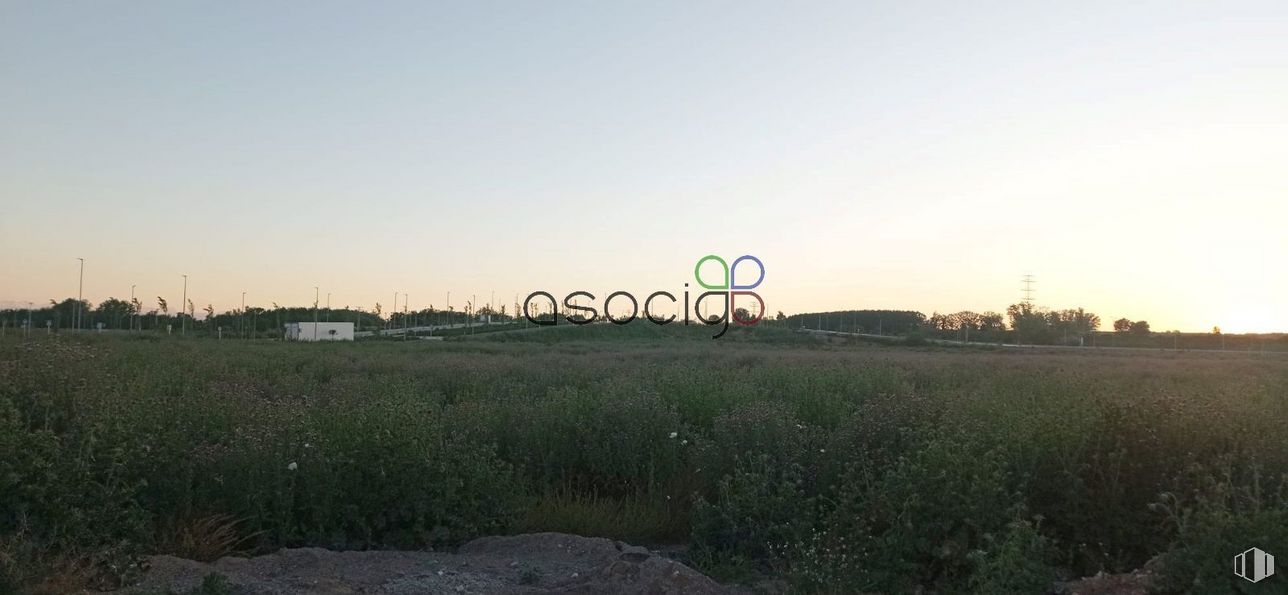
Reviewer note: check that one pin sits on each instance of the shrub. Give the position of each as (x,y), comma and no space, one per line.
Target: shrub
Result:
(761,511)
(1216,524)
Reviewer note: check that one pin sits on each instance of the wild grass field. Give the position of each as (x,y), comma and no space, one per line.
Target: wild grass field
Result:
(835,467)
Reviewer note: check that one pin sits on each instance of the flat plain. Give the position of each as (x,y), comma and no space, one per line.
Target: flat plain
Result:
(825,465)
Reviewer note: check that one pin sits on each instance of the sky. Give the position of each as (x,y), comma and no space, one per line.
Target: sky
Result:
(902,155)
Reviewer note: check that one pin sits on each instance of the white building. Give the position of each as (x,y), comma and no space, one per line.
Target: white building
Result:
(319,331)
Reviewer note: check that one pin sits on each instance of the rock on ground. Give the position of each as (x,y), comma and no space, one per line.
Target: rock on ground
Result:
(1139,582)
(534,563)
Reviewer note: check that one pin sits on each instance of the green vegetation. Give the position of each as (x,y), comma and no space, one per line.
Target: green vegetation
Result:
(115,314)
(834,466)
(1029,325)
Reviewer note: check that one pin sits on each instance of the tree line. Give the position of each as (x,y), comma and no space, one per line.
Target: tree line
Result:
(118,314)
(1021,323)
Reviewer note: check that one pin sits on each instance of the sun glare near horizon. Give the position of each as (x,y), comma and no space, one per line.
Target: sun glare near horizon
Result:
(884,155)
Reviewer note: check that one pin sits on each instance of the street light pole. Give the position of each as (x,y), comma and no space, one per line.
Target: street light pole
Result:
(80,286)
(183,306)
(132,308)
(315,313)
(393,310)
(242,323)
(328,306)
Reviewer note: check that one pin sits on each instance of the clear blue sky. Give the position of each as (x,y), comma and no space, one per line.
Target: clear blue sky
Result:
(903,154)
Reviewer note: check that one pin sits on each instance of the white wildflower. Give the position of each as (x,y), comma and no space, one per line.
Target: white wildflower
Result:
(674,434)
(292,466)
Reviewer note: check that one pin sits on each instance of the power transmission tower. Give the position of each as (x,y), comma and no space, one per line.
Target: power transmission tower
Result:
(1028,281)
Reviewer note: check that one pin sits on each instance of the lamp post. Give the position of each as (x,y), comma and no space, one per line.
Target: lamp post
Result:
(132,308)
(393,310)
(183,322)
(80,286)
(328,306)
(242,323)
(316,296)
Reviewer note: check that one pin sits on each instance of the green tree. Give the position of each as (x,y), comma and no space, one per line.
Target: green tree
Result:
(1073,324)
(1031,325)
(115,313)
(64,311)
(992,322)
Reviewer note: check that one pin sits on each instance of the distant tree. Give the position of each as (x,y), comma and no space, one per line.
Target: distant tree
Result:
(165,311)
(966,320)
(65,310)
(1073,323)
(114,311)
(992,322)
(888,322)
(1216,330)
(1031,325)
(741,314)
(1140,327)
(1122,325)
(780,317)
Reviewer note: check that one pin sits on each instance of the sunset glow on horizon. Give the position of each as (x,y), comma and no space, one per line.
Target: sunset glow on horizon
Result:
(915,157)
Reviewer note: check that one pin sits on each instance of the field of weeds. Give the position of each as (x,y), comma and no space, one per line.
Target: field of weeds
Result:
(833,467)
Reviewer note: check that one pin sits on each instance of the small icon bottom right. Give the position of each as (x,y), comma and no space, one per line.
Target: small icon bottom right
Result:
(1254,565)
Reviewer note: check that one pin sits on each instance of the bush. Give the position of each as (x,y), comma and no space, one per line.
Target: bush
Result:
(916,524)
(760,513)
(1217,524)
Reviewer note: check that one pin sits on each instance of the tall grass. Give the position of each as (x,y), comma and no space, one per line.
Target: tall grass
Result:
(837,467)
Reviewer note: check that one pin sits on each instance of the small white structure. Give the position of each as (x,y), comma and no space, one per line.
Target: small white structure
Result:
(319,331)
